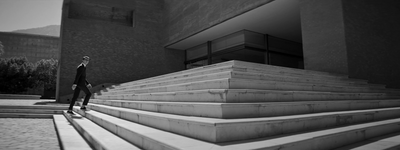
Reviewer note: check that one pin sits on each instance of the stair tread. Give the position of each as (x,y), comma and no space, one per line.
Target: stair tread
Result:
(249,90)
(243,95)
(236,70)
(175,74)
(241,104)
(247,68)
(107,139)
(237,84)
(25,115)
(182,142)
(241,110)
(391,141)
(70,139)
(31,111)
(217,121)
(33,107)
(234,83)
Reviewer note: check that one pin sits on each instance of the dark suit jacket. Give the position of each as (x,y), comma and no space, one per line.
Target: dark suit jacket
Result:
(80,78)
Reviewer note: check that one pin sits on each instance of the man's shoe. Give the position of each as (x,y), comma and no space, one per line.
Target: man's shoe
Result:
(83,108)
(70,112)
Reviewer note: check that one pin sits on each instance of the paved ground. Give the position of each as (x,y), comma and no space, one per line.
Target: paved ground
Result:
(30,102)
(28,133)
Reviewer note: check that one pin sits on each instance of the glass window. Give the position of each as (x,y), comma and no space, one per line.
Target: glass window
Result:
(228,41)
(196,52)
(285,60)
(245,54)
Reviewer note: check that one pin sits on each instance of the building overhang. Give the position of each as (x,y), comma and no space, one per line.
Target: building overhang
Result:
(279,18)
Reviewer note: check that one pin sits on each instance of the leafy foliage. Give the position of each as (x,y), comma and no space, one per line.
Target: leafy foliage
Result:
(46,73)
(1,49)
(18,74)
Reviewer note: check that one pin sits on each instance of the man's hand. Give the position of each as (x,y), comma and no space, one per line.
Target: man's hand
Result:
(89,86)
(73,86)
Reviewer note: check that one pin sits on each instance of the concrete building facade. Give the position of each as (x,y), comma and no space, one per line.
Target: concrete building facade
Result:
(33,47)
(134,39)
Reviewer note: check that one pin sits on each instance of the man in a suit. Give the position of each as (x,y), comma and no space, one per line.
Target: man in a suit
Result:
(80,83)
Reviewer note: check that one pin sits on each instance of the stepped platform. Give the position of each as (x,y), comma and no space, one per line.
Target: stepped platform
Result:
(30,111)
(19,97)
(238,105)
(389,142)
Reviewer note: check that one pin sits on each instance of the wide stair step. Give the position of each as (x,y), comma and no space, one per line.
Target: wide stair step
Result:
(235,71)
(246,84)
(387,142)
(97,136)
(150,138)
(239,105)
(248,110)
(244,96)
(69,138)
(14,111)
(243,75)
(222,130)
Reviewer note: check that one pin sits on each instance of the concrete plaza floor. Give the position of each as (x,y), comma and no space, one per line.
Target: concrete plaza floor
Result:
(28,133)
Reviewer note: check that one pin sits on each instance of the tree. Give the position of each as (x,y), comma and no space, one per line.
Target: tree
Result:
(46,74)
(16,75)
(1,49)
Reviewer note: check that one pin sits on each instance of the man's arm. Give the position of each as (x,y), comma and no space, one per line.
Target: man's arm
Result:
(88,84)
(78,74)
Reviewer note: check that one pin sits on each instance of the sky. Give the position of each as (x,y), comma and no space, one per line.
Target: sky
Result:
(25,14)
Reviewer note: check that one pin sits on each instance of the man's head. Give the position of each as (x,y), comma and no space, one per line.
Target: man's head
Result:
(85,60)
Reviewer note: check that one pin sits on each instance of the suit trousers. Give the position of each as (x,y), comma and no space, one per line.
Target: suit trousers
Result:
(76,94)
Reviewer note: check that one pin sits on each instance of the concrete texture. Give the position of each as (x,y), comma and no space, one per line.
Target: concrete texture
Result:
(32,134)
(308,120)
(151,138)
(357,38)
(372,40)
(185,18)
(118,53)
(387,142)
(96,135)
(34,124)
(247,110)
(29,102)
(323,35)
(222,130)
(33,47)
(68,136)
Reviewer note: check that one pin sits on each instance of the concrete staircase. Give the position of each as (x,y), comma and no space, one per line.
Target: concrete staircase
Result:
(239,105)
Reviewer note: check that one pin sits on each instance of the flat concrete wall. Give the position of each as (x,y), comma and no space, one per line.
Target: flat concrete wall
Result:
(185,18)
(354,37)
(323,35)
(120,50)
(372,39)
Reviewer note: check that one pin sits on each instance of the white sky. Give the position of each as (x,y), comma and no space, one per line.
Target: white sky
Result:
(24,14)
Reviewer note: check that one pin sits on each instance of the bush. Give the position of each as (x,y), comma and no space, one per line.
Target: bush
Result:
(16,75)
(46,74)
(1,49)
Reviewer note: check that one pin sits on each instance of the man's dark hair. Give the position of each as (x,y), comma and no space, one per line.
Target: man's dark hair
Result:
(85,58)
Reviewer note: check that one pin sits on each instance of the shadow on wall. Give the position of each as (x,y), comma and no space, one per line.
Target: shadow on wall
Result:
(98,89)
